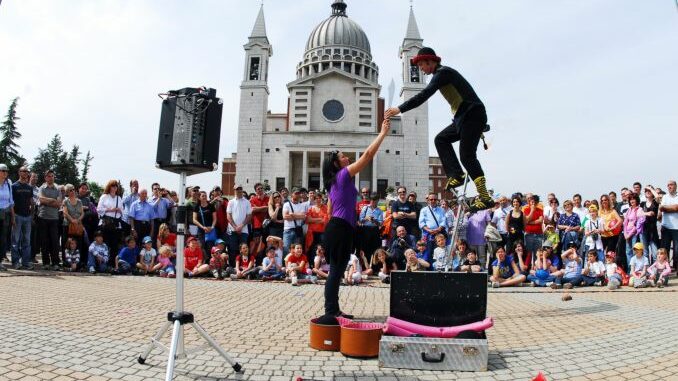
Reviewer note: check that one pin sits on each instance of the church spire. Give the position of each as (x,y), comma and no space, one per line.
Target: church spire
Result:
(412,28)
(259,29)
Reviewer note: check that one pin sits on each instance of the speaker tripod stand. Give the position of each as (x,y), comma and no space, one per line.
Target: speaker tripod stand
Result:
(179,318)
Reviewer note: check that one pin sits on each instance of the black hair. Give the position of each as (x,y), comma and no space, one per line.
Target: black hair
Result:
(330,169)
(637,183)
(129,239)
(635,197)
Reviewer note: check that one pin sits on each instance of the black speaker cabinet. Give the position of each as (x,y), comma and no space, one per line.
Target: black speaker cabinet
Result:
(439,299)
(190,129)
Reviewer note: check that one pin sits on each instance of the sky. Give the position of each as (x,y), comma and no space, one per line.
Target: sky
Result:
(582,96)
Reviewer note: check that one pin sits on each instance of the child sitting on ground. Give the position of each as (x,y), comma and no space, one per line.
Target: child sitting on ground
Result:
(296,265)
(550,234)
(165,267)
(244,264)
(660,270)
(271,266)
(193,259)
(422,252)
(354,271)
(638,267)
(146,257)
(71,255)
(540,274)
(614,279)
(413,263)
(381,265)
(219,262)
(593,273)
(570,275)
(471,264)
(321,268)
(97,257)
(440,255)
(505,271)
(126,260)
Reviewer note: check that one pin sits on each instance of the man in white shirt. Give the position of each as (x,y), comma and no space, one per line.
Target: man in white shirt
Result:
(294,217)
(578,208)
(668,214)
(239,214)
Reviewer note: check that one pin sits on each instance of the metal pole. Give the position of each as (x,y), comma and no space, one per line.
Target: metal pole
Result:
(181,231)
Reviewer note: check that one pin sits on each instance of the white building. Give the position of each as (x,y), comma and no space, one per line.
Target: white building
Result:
(333,104)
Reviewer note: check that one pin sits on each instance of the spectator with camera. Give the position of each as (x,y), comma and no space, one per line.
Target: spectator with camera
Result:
(162,206)
(650,235)
(294,216)
(593,228)
(401,242)
(668,214)
(370,220)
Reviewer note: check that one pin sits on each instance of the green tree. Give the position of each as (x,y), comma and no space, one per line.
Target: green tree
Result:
(95,189)
(86,163)
(9,134)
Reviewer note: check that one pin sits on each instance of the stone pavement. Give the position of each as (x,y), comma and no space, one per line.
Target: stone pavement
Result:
(58,326)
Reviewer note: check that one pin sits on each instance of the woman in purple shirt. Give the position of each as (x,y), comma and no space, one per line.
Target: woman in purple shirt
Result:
(338,173)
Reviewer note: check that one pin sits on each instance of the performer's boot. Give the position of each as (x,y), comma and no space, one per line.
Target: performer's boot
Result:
(484,201)
(455,182)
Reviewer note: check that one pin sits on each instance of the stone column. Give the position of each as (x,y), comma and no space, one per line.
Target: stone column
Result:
(304,168)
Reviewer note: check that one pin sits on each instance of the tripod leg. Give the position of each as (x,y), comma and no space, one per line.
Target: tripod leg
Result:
(163,329)
(169,374)
(236,367)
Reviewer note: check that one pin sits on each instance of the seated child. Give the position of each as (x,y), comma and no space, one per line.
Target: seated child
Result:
(614,279)
(471,264)
(354,271)
(165,267)
(570,275)
(422,251)
(505,271)
(594,270)
(412,263)
(541,273)
(441,259)
(381,265)
(193,259)
(660,270)
(638,267)
(127,258)
(219,261)
(271,266)
(244,264)
(71,255)
(296,266)
(97,256)
(321,268)
(146,257)
(550,234)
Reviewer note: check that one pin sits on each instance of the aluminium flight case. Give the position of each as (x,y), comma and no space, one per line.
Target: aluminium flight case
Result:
(436,299)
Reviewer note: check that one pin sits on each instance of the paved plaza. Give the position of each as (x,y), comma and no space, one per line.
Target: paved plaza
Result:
(59,326)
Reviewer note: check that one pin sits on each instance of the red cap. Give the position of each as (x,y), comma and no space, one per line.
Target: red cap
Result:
(191,239)
(215,250)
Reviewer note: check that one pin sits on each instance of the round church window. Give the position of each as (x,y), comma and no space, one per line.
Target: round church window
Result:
(333,110)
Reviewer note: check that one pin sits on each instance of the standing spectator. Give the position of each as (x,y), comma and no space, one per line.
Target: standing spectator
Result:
(475,234)
(412,198)
(501,210)
(192,199)
(534,220)
(259,204)
(593,228)
(370,220)
(317,218)
(220,204)
(634,218)
(275,213)
(284,194)
(73,214)
(650,235)
(577,208)
(127,202)
(141,214)
(614,204)
(403,212)
(668,214)
(637,188)
(612,223)
(515,223)
(569,224)
(48,220)
(91,219)
(449,215)
(110,210)
(205,218)
(432,222)
(36,237)
(364,200)
(239,214)
(294,215)
(22,193)
(552,211)
(6,212)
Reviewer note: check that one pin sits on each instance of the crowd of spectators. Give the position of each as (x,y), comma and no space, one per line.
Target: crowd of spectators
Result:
(278,235)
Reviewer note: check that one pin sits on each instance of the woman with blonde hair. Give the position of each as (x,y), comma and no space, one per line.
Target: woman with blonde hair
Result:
(110,209)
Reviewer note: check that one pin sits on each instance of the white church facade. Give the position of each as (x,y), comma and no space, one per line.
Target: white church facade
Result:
(333,104)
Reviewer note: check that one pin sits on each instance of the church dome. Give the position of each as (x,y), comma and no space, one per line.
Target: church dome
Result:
(338,30)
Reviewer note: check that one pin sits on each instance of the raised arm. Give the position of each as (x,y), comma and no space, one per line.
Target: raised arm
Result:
(371,150)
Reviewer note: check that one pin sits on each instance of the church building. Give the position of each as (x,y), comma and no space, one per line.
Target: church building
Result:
(334,103)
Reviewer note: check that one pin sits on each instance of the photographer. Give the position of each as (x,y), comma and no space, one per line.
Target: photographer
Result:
(401,242)
(162,205)
(593,229)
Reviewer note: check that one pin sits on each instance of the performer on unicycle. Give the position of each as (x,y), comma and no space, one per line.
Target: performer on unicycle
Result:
(467,126)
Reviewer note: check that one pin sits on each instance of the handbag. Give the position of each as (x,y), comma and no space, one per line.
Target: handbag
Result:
(75,229)
(298,229)
(111,223)
(212,235)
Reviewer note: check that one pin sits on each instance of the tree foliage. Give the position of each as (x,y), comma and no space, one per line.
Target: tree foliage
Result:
(9,134)
(64,164)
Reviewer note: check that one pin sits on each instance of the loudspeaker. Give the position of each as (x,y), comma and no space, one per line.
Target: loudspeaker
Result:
(438,299)
(190,128)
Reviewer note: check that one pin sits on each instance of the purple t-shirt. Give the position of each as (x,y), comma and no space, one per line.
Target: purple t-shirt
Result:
(475,231)
(343,195)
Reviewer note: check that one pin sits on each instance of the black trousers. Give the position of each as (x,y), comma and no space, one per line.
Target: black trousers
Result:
(338,244)
(49,232)
(466,129)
